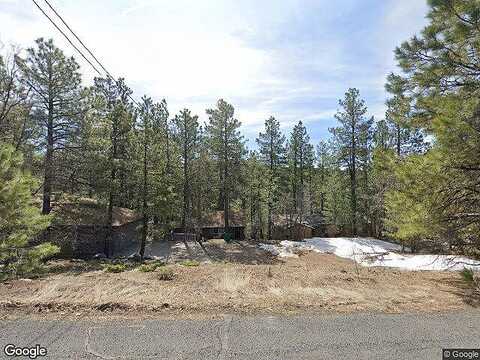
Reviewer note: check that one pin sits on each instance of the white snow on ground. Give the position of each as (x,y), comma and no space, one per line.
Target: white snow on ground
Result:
(372,252)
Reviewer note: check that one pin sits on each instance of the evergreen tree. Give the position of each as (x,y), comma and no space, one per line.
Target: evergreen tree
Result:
(20,219)
(145,140)
(408,137)
(441,71)
(412,207)
(15,123)
(272,151)
(352,123)
(257,189)
(186,132)
(227,147)
(299,151)
(55,83)
(323,164)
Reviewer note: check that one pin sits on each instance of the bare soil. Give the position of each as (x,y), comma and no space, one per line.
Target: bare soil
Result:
(312,282)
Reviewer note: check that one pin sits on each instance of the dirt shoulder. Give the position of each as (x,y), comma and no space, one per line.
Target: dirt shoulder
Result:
(312,282)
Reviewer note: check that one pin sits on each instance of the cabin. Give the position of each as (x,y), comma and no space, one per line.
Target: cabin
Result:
(213,226)
(80,229)
(286,227)
(318,222)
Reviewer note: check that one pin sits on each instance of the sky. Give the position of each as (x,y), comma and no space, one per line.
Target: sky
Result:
(292,59)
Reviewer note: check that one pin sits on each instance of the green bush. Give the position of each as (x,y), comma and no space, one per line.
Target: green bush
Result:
(151,266)
(115,268)
(467,275)
(165,274)
(190,263)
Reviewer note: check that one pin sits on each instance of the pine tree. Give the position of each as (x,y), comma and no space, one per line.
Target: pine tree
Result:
(15,124)
(412,207)
(257,190)
(113,122)
(272,151)
(227,147)
(145,140)
(186,135)
(441,72)
(408,137)
(352,122)
(20,219)
(299,151)
(55,82)
(323,162)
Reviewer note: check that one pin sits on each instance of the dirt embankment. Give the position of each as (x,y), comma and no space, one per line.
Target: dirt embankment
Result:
(313,282)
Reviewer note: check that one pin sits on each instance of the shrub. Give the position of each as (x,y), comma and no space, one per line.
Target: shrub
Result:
(190,263)
(165,274)
(468,275)
(115,268)
(150,267)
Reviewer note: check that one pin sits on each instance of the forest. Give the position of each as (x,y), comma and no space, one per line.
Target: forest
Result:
(412,177)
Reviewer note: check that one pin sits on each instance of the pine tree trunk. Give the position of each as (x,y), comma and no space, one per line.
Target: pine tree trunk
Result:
(111,193)
(270,192)
(144,198)
(353,183)
(186,191)
(399,140)
(226,204)
(48,179)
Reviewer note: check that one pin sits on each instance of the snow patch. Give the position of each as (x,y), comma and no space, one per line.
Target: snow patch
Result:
(372,252)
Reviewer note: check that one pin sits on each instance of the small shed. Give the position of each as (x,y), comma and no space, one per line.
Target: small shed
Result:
(213,226)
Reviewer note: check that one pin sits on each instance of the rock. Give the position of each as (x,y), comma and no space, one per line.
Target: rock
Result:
(134,257)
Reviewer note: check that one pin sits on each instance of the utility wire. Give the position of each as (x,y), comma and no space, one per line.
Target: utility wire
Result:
(82,43)
(66,37)
(79,40)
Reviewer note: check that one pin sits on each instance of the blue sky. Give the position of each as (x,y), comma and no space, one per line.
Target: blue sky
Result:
(292,59)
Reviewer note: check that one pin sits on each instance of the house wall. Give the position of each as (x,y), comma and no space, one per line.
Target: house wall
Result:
(126,236)
(296,233)
(84,241)
(238,232)
(178,236)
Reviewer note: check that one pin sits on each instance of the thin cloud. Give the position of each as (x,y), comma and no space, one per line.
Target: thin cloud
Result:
(291,59)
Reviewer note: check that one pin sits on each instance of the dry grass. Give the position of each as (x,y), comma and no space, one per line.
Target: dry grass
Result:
(311,282)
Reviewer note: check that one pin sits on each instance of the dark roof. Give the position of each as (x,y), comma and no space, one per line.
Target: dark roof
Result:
(315,220)
(216,219)
(287,220)
(87,211)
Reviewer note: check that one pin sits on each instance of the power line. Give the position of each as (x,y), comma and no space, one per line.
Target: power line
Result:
(81,42)
(66,37)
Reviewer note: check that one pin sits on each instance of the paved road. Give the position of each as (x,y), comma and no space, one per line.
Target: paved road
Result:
(353,336)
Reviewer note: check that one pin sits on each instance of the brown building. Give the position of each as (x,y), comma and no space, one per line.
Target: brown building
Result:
(79,229)
(213,226)
(287,227)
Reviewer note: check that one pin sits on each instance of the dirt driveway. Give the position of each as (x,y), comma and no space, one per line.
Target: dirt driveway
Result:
(211,251)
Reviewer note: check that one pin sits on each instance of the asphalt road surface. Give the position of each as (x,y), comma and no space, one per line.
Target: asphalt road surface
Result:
(329,336)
